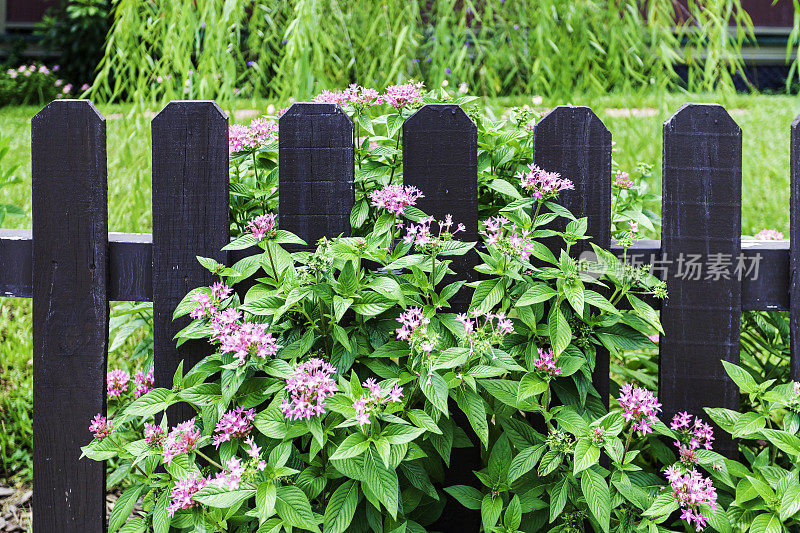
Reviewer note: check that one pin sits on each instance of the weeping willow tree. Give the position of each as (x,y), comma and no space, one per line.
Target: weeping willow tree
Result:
(168,49)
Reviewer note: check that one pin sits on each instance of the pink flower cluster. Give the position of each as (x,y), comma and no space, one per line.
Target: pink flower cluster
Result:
(769,235)
(542,184)
(366,405)
(546,363)
(692,436)
(421,235)
(182,439)
(622,180)
(483,334)
(181,494)
(246,138)
(639,406)
(263,226)
(153,434)
(395,198)
(414,329)
(508,238)
(396,96)
(100,426)
(206,306)
(692,490)
(117,383)
(231,477)
(308,387)
(244,339)
(233,424)
(144,382)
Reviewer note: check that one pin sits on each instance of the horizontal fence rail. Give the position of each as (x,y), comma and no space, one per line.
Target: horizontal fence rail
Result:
(72,266)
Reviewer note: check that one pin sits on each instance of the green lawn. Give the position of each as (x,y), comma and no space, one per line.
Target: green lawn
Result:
(764,120)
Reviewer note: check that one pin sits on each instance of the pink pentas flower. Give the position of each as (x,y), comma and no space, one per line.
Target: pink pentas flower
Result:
(144,382)
(263,226)
(422,236)
(249,338)
(692,435)
(181,439)
(117,383)
(308,388)
(395,198)
(235,423)
(484,330)
(691,490)
(263,130)
(370,404)
(546,363)
(231,477)
(542,184)
(329,97)
(639,407)
(622,180)
(507,237)
(241,138)
(769,235)
(402,95)
(153,434)
(100,426)
(204,306)
(181,494)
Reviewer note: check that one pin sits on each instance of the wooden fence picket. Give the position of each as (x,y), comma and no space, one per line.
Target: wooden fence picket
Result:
(316,171)
(190,218)
(702,198)
(794,247)
(70,313)
(572,141)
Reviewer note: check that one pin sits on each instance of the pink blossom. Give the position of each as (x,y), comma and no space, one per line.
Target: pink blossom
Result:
(153,434)
(263,226)
(422,236)
(546,363)
(402,95)
(233,424)
(633,227)
(622,180)
(691,435)
(117,383)
(308,387)
(231,477)
(508,238)
(100,426)
(329,97)
(395,198)
(769,235)
(182,492)
(246,339)
(253,450)
(182,439)
(542,184)
(639,406)
(263,130)
(241,138)
(144,382)
(691,490)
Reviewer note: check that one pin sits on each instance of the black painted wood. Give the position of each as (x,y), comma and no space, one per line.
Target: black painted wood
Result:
(702,198)
(572,141)
(190,218)
(316,172)
(794,256)
(440,144)
(70,313)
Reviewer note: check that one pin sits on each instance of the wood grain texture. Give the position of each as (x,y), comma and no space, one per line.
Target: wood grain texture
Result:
(702,199)
(316,172)
(70,313)
(794,256)
(572,141)
(190,218)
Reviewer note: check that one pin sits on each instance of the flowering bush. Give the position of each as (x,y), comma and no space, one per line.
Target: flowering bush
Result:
(34,84)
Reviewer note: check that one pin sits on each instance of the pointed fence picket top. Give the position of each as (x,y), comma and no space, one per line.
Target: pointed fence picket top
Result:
(316,171)
(794,256)
(702,197)
(70,313)
(190,219)
(572,141)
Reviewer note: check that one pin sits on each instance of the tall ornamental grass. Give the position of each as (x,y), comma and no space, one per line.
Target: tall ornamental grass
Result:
(221,49)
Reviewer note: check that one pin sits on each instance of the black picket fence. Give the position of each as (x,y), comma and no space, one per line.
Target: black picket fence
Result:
(72,267)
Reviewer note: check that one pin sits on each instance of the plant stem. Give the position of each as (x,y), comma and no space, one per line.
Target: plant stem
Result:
(272,263)
(627,444)
(209,459)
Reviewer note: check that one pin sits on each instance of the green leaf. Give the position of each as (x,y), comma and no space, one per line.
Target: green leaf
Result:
(790,502)
(487,294)
(354,445)
(524,462)
(491,507)
(123,507)
(513,516)
(434,388)
(598,497)
(766,523)
(161,519)
(504,187)
(785,442)
(741,377)
(287,237)
(341,507)
(664,505)
(401,433)
(538,292)
(469,497)
(266,495)
(383,482)
(294,508)
(151,403)
(560,332)
(215,495)
(472,405)
(586,455)
(748,423)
